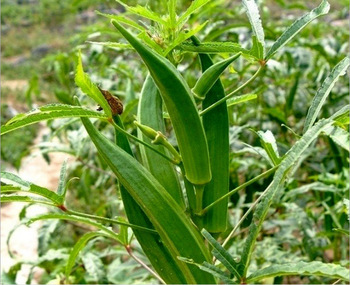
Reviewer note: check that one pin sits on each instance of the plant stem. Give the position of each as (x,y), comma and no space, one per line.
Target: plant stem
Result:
(217,103)
(240,187)
(144,265)
(98,218)
(199,198)
(119,129)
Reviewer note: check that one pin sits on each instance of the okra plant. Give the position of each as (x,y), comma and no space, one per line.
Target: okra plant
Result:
(176,195)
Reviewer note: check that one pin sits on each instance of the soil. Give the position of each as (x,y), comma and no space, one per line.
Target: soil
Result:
(24,241)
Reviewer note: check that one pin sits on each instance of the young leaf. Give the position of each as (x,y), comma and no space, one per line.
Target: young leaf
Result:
(77,248)
(49,112)
(268,142)
(255,21)
(195,5)
(28,187)
(323,92)
(221,254)
(240,99)
(88,87)
(296,27)
(339,136)
(313,268)
(61,189)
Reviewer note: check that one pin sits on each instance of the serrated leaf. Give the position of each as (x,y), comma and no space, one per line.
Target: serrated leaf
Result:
(49,112)
(240,99)
(25,186)
(268,142)
(221,254)
(26,199)
(210,268)
(339,136)
(45,234)
(296,27)
(182,36)
(216,47)
(253,14)
(313,268)
(94,267)
(195,5)
(89,88)
(323,92)
(80,244)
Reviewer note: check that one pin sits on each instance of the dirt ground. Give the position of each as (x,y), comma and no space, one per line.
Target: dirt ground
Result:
(24,242)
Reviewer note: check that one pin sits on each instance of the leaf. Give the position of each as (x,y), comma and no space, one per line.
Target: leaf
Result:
(122,19)
(195,5)
(95,269)
(215,47)
(182,36)
(257,49)
(313,268)
(276,185)
(25,186)
(268,142)
(296,27)
(49,112)
(80,244)
(240,99)
(45,234)
(83,81)
(221,254)
(323,92)
(253,14)
(27,199)
(112,45)
(61,189)
(339,136)
(210,268)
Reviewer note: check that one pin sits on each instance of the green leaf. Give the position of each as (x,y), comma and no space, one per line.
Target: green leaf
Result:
(216,47)
(268,142)
(94,267)
(253,14)
(195,5)
(276,185)
(339,136)
(122,19)
(25,186)
(52,111)
(323,92)
(179,236)
(89,88)
(313,268)
(61,189)
(296,27)
(182,36)
(210,268)
(257,49)
(221,254)
(240,99)
(77,248)
(112,45)
(172,12)
(26,199)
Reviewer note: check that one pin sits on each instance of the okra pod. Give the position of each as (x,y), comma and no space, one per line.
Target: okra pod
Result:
(216,125)
(181,107)
(210,76)
(150,113)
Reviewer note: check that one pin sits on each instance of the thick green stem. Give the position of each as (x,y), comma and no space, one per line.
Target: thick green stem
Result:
(199,198)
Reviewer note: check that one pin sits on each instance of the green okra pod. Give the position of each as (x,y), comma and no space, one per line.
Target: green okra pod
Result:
(181,107)
(176,231)
(210,76)
(150,113)
(216,125)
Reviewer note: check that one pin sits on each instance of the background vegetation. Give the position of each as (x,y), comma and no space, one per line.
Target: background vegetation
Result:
(40,40)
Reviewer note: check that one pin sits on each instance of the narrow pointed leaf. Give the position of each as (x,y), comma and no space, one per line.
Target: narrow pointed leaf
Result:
(25,199)
(323,92)
(253,14)
(80,244)
(25,186)
(195,5)
(49,112)
(89,88)
(268,142)
(313,268)
(339,136)
(179,236)
(240,99)
(221,254)
(61,190)
(296,27)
